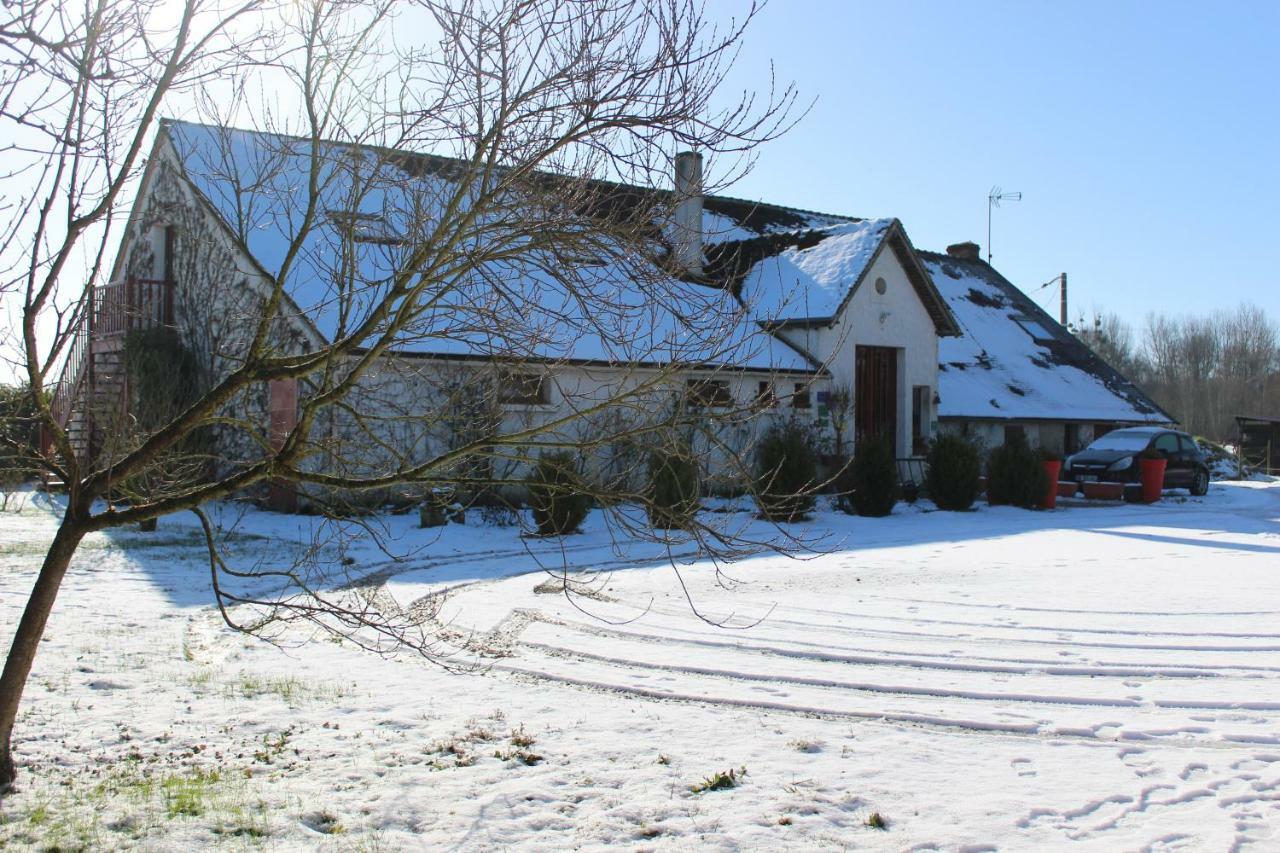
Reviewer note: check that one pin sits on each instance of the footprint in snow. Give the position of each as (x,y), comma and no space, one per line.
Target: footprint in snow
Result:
(1022,766)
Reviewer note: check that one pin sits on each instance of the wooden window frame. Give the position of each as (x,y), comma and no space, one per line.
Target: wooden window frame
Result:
(766,395)
(709,393)
(524,389)
(801,398)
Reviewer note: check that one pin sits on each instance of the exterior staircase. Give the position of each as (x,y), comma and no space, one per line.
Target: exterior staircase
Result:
(91,398)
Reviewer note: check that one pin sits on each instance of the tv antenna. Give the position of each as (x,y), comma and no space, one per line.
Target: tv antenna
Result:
(994,198)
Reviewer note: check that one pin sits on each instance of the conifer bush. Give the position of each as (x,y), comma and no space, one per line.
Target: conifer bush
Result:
(875,477)
(954,471)
(558,495)
(786,472)
(673,488)
(1015,475)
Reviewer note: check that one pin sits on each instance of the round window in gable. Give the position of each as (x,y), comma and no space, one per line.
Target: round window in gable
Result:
(881,286)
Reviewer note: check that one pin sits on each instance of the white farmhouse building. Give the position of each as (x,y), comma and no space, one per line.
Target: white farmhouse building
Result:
(789,312)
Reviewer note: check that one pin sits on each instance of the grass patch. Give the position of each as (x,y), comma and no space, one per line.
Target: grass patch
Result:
(290,688)
(804,745)
(722,781)
(273,746)
(523,756)
(877,821)
(324,822)
(185,795)
(124,804)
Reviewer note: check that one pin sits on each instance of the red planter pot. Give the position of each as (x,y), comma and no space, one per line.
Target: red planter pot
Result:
(1052,467)
(1067,488)
(1104,491)
(1152,478)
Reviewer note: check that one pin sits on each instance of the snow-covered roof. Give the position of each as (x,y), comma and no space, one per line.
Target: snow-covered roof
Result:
(1014,362)
(811,278)
(808,275)
(517,307)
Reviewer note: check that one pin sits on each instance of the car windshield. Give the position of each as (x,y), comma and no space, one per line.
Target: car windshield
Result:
(1122,441)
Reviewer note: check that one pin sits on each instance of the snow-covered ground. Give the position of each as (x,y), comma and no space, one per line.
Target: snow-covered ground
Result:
(1108,675)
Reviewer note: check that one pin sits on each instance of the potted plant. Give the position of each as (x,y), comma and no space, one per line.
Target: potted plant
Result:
(1052,464)
(1152,464)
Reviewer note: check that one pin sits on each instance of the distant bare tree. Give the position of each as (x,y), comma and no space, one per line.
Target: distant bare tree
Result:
(1108,335)
(1204,370)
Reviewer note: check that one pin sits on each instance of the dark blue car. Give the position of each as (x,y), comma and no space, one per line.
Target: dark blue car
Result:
(1113,458)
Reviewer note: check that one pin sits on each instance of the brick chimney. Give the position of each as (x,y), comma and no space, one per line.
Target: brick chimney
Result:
(687,233)
(966,251)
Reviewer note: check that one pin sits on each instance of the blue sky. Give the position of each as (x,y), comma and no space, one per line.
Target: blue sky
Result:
(1143,136)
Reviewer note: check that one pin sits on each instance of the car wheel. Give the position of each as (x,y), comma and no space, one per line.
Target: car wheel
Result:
(1200,485)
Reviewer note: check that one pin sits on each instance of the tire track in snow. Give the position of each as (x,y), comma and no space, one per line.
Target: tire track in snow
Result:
(1052,714)
(866,657)
(933,697)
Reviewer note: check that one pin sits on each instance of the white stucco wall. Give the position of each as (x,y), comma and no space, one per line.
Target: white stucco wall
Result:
(895,319)
(408,394)
(1049,435)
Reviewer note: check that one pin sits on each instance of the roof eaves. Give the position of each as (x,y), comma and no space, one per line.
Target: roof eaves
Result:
(935,303)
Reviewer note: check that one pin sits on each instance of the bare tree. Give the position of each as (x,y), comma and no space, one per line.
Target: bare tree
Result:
(1108,335)
(1204,370)
(526,238)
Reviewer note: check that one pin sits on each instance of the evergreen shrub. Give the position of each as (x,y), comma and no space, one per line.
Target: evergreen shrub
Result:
(558,495)
(875,477)
(673,488)
(1015,475)
(954,469)
(786,472)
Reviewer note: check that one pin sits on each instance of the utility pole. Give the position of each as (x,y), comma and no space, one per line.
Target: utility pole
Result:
(1062,302)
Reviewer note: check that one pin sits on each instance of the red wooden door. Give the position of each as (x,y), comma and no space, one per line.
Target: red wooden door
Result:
(876,392)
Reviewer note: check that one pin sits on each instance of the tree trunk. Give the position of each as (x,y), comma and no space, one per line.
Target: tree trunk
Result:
(26,641)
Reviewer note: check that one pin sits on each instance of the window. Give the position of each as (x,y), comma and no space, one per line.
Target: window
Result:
(1167,443)
(800,400)
(1100,430)
(523,389)
(920,398)
(766,395)
(711,393)
(1071,439)
(366,227)
(1013,431)
(1034,328)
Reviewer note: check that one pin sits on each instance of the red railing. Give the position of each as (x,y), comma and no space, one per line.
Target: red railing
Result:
(135,303)
(74,370)
(115,310)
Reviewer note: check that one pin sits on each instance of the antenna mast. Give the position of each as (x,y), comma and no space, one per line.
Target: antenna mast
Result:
(994,198)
